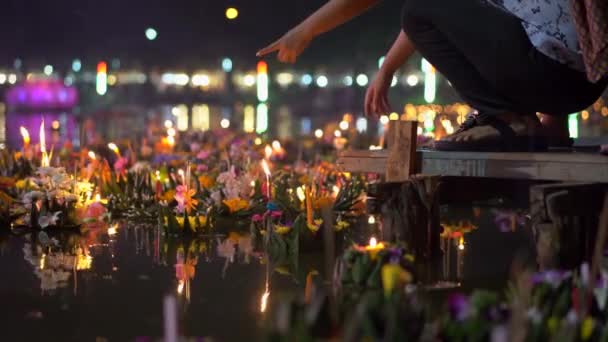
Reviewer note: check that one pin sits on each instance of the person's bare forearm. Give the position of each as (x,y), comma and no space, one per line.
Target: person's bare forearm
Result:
(334,13)
(398,54)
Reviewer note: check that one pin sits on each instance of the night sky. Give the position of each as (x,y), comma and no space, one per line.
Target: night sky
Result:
(191,32)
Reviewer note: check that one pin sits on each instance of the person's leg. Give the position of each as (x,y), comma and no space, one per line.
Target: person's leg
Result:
(497,46)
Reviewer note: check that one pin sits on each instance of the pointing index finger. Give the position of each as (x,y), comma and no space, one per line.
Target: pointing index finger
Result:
(270,48)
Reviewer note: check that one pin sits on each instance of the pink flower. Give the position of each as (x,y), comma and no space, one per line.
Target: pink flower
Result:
(203,154)
(276,213)
(257,218)
(121,164)
(95,210)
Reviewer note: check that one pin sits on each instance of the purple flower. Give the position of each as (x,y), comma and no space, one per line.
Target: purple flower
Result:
(459,306)
(551,277)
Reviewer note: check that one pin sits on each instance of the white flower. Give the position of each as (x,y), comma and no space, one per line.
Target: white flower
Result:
(48,220)
(32,197)
(141,167)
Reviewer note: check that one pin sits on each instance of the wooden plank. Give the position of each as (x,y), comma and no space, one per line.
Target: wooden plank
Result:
(401,139)
(575,167)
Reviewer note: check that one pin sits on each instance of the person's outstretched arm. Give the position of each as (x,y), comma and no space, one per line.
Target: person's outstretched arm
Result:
(332,14)
(376,98)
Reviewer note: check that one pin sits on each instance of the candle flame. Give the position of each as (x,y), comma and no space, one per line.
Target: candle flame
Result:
(264,301)
(276,145)
(45,162)
(112,230)
(25,134)
(373,242)
(170,140)
(265,167)
(268,151)
(461,243)
(42,261)
(180,287)
(112,146)
(98,198)
(371,219)
(42,138)
(157,175)
(301,194)
(92,155)
(335,190)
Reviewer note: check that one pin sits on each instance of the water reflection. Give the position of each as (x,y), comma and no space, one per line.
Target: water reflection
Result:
(113,279)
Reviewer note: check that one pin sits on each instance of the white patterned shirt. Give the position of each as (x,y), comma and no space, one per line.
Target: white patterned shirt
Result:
(550,27)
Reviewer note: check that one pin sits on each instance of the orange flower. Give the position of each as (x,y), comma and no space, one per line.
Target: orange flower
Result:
(206,181)
(323,202)
(236,204)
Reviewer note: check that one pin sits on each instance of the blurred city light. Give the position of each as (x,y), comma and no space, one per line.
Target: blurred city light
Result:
(151,33)
(362,80)
(262,81)
(225,123)
(348,81)
(430,81)
(232,13)
(201,117)
(319,133)
(48,70)
(361,125)
(306,80)
(76,65)
(102,78)
(344,125)
(573,125)
(412,80)
(284,79)
(262,118)
(249,119)
(227,64)
(322,81)
(249,80)
(201,80)
(384,119)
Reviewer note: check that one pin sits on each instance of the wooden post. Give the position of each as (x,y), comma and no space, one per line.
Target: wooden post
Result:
(401,160)
(564,220)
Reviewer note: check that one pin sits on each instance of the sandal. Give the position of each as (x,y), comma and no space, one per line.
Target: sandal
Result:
(506,141)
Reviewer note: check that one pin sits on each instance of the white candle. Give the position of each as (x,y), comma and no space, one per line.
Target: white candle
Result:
(170,313)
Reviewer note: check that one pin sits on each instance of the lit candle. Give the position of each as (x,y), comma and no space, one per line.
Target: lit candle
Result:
(264,301)
(309,218)
(112,146)
(92,155)
(266,169)
(26,137)
(374,247)
(159,186)
(45,162)
(170,313)
(268,152)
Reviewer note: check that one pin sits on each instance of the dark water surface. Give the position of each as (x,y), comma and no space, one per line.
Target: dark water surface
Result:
(68,287)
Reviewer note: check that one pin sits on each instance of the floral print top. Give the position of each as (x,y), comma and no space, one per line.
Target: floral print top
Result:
(550,27)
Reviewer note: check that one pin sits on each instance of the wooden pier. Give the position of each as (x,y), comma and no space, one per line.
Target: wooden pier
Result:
(553,166)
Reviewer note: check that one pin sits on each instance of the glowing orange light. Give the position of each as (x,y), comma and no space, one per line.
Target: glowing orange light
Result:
(26,136)
(262,67)
(102,68)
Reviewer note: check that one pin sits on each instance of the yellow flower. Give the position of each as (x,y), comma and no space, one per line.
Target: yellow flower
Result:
(341,225)
(587,328)
(552,324)
(323,202)
(193,221)
(168,196)
(304,179)
(236,204)
(21,184)
(206,181)
(315,226)
(281,230)
(393,276)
